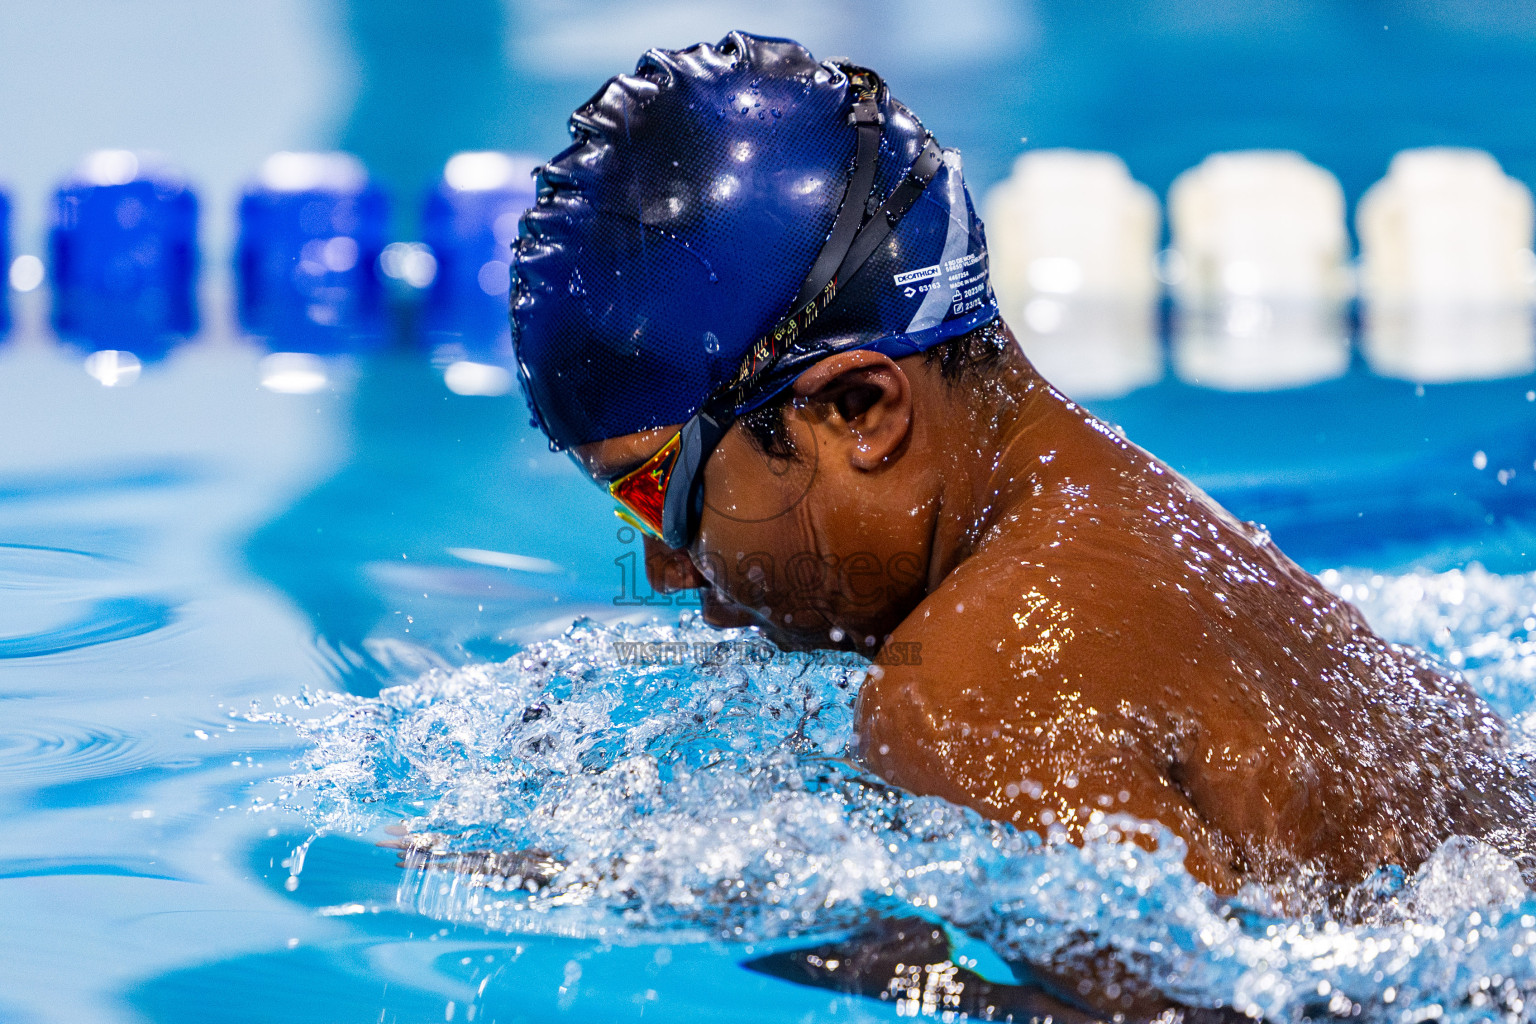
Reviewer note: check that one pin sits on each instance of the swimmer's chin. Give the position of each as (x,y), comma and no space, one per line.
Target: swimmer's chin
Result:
(725,614)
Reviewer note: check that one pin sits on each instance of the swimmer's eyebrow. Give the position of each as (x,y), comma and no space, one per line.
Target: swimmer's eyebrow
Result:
(612,474)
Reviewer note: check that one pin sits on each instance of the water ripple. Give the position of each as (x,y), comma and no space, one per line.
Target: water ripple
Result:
(104,621)
(79,588)
(34,867)
(48,753)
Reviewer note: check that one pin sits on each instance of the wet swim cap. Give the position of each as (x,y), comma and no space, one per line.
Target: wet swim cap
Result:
(680,229)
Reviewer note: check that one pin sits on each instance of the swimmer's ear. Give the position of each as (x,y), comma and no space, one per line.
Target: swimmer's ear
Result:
(865,394)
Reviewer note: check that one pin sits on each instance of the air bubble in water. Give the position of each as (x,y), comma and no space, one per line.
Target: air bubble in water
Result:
(671,783)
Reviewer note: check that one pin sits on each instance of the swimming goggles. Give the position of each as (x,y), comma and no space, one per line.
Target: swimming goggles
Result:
(664,496)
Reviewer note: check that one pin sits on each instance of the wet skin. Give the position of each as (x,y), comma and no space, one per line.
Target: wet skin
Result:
(1095,634)
(1079,632)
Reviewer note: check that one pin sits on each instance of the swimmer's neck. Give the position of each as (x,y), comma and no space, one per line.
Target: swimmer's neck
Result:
(988,465)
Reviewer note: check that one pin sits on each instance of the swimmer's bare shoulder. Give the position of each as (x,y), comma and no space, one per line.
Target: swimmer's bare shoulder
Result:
(1121,644)
(1005,697)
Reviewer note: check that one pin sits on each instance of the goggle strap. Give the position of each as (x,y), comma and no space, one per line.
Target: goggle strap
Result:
(766,352)
(889,213)
(853,239)
(850,216)
(683,505)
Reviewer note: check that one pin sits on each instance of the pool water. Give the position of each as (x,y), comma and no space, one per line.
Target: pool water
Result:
(243,633)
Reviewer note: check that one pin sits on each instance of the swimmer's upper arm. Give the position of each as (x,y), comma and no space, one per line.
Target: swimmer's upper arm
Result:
(1057,779)
(957,729)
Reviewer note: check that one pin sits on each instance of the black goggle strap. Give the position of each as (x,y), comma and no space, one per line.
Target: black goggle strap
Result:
(866,117)
(683,505)
(766,352)
(857,232)
(889,213)
(700,435)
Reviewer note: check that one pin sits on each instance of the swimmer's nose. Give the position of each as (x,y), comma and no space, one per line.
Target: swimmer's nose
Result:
(670,570)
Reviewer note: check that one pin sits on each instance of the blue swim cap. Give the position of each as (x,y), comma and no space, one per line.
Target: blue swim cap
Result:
(680,229)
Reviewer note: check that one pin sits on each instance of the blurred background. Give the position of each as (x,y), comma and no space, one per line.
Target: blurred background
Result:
(217,87)
(259,433)
(1250,233)
(1148,90)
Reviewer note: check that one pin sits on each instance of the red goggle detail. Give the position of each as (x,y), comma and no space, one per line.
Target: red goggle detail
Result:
(643,490)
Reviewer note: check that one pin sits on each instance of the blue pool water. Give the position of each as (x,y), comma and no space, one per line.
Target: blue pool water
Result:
(243,632)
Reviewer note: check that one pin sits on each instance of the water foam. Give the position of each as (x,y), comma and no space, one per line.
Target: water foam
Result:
(707,792)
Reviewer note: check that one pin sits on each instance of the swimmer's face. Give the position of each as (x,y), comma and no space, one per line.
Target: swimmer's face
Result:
(827,548)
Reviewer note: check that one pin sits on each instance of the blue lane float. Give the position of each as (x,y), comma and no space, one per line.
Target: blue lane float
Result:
(312,228)
(469,223)
(123,248)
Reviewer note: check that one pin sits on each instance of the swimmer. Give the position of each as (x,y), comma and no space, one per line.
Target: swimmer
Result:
(752,302)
